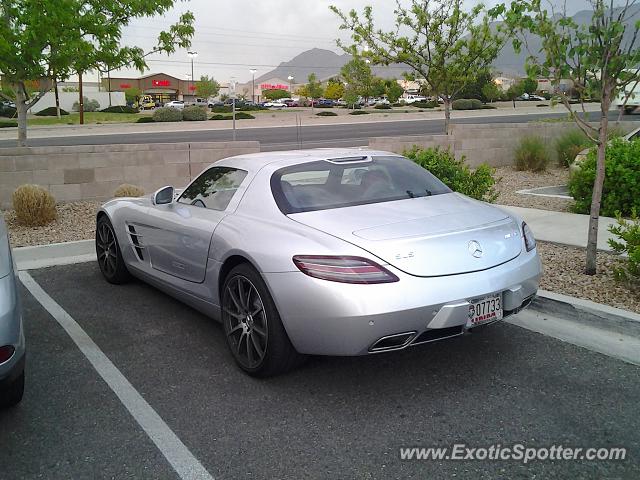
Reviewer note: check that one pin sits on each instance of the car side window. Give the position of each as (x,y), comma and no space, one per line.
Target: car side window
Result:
(214,188)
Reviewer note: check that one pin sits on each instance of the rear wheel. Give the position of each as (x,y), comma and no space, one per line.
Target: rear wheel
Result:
(108,252)
(252,326)
(12,395)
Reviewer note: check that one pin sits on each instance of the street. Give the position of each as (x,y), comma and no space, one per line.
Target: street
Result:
(286,138)
(330,418)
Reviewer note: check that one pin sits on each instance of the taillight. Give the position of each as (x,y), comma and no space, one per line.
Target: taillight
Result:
(343,269)
(529,239)
(6,353)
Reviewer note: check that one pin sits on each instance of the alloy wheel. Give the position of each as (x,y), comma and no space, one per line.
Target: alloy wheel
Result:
(245,321)
(107,249)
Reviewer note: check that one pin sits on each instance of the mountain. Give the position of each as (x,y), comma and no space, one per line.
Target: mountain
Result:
(326,63)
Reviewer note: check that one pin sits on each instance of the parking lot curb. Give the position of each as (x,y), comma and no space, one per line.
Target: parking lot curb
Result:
(41,256)
(588,313)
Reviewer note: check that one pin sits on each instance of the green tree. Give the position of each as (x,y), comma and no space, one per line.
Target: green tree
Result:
(515,90)
(275,94)
(529,85)
(334,90)
(350,96)
(357,73)
(51,39)
(441,42)
(207,87)
(600,57)
(393,90)
(491,92)
(314,88)
(473,89)
(132,94)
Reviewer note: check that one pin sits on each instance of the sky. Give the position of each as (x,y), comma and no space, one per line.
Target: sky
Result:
(235,36)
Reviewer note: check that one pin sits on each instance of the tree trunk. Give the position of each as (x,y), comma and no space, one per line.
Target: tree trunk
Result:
(447,114)
(109,85)
(55,86)
(81,99)
(21,109)
(596,199)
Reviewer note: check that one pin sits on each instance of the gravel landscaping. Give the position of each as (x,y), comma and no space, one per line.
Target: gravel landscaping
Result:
(563,273)
(76,221)
(513,180)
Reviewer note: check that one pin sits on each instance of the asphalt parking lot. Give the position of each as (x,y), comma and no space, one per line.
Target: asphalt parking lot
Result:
(331,418)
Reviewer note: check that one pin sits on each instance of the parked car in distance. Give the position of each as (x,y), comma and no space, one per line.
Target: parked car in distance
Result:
(325,102)
(414,98)
(177,104)
(289,102)
(341,102)
(12,342)
(323,252)
(215,103)
(275,104)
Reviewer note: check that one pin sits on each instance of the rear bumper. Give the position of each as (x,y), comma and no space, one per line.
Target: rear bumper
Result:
(11,330)
(328,318)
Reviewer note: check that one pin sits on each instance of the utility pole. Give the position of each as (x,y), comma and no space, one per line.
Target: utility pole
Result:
(192,56)
(253,85)
(81,99)
(232,91)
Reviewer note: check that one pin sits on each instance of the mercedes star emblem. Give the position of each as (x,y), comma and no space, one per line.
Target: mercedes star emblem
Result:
(475,249)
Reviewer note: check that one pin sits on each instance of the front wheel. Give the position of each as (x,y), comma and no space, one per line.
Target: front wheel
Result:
(108,252)
(252,326)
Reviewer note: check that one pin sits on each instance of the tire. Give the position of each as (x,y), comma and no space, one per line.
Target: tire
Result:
(12,395)
(109,254)
(253,330)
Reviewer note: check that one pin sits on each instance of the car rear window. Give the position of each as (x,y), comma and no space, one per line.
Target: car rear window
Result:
(328,184)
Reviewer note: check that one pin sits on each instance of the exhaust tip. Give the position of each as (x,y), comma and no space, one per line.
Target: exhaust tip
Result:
(392,342)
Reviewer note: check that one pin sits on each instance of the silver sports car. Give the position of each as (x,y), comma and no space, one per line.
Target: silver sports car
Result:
(327,252)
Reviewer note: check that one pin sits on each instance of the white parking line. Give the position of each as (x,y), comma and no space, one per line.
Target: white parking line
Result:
(176,453)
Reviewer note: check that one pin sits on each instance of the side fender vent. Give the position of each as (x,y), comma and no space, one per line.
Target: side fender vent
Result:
(136,239)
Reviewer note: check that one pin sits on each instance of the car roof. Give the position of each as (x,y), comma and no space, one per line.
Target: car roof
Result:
(255,161)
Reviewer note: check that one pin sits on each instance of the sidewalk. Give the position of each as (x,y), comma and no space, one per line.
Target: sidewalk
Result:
(563,228)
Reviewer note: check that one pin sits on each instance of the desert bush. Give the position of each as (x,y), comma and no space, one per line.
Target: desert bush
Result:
(466,104)
(532,154)
(382,106)
(145,119)
(223,109)
(194,113)
(50,112)
(239,116)
(456,174)
(128,190)
(327,114)
(570,144)
(358,112)
(34,205)
(621,189)
(120,109)
(167,114)
(427,104)
(88,105)
(628,242)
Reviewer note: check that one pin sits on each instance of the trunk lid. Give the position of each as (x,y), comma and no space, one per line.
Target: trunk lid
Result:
(427,236)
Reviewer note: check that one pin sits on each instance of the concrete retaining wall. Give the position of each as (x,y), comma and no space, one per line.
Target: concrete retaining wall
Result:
(93,172)
(491,143)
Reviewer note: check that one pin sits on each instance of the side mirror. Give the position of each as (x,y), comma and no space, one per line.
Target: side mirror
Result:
(163,196)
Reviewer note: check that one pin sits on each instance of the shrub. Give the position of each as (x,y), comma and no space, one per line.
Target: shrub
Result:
(194,114)
(219,116)
(532,154)
(127,190)
(427,104)
(327,114)
(382,106)
(621,189)
(570,144)
(167,114)
(628,233)
(224,109)
(456,174)
(358,112)
(145,119)
(8,124)
(34,205)
(50,112)
(466,104)
(120,109)
(88,105)
(243,116)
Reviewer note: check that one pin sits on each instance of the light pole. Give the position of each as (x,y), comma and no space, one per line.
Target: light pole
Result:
(253,85)
(290,78)
(192,56)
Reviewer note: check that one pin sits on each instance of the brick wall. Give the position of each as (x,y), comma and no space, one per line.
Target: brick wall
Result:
(93,172)
(491,143)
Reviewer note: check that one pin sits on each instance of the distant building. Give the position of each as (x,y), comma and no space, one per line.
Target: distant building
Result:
(162,87)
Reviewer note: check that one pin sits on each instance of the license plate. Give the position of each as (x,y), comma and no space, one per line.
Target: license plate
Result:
(485,310)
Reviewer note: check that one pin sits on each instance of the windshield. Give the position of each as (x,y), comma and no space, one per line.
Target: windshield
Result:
(328,184)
